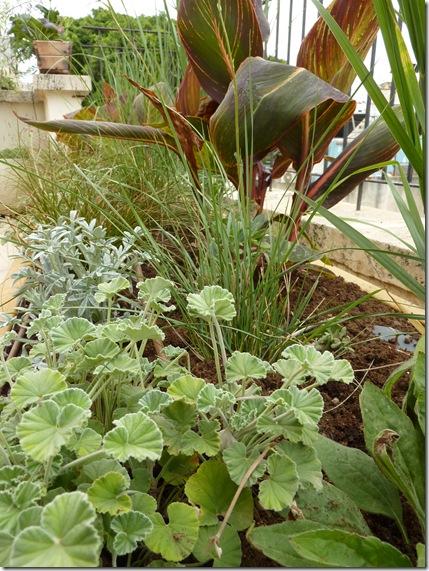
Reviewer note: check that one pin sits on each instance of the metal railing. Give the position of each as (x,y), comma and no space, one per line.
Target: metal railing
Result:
(300,17)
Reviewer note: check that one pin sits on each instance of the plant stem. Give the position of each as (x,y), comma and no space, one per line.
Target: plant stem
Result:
(78,461)
(234,500)
(215,352)
(47,471)
(220,339)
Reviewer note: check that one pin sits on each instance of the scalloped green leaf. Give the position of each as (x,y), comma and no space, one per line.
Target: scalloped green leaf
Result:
(122,364)
(85,442)
(130,527)
(206,441)
(342,371)
(245,366)
(308,466)
(32,386)
(107,494)
(212,302)
(238,461)
(176,419)
(43,430)
(66,537)
(186,388)
(74,396)
(174,541)
(154,401)
(13,367)
(156,292)
(315,364)
(135,435)
(29,517)
(9,512)
(291,371)
(10,476)
(307,406)
(278,490)
(143,503)
(98,468)
(100,350)
(212,489)
(211,398)
(136,329)
(114,286)
(288,425)
(72,331)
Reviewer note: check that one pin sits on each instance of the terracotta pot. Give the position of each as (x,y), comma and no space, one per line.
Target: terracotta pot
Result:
(53,56)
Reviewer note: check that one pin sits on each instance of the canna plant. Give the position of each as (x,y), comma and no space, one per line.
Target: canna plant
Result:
(243,107)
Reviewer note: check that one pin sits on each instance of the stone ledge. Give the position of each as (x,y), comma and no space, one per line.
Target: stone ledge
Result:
(79,85)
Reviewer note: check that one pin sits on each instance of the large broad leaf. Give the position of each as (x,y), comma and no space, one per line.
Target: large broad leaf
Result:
(218,35)
(372,146)
(320,52)
(370,490)
(267,101)
(274,540)
(66,537)
(331,506)
(404,463)
(188,95)
(144,133)
(190,142)
(334,548)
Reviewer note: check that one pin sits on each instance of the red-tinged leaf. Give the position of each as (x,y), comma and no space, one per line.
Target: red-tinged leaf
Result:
(280,166)
(189,94)
(189,140)
(218,35)
(144,134)
(324,123)
(320,52)
(273,100)
(108,92)
(374,145)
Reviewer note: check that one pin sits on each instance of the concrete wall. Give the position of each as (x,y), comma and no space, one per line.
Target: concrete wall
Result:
(51,97)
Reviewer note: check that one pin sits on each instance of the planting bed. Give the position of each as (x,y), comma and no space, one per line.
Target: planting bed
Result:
(373,359)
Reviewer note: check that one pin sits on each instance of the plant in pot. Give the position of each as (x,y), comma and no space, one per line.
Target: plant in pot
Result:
(43,37)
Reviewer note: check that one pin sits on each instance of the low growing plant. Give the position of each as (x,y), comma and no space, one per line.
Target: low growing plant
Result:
(99,446)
